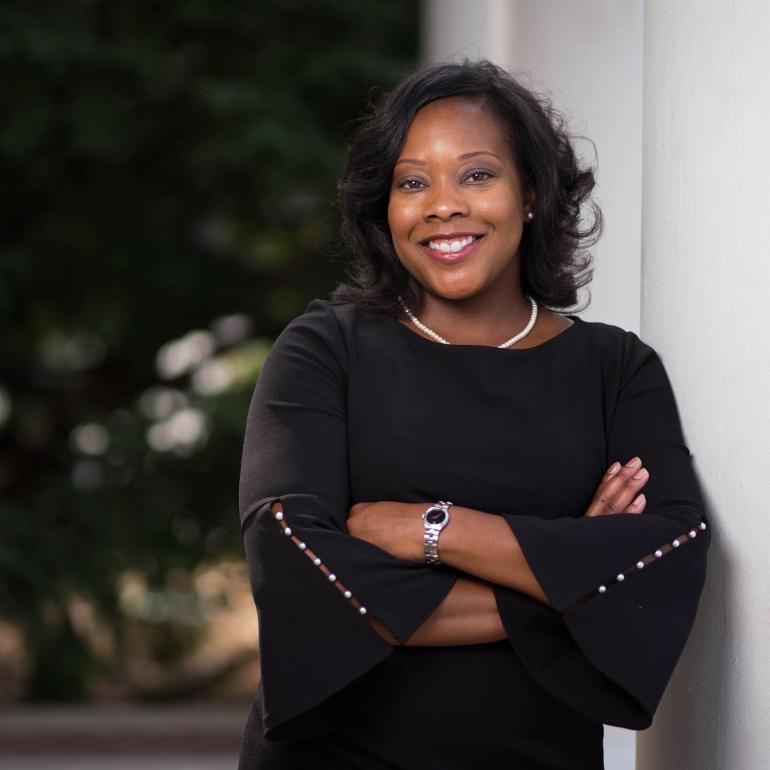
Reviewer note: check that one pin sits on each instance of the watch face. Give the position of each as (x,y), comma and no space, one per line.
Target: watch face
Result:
(435,516)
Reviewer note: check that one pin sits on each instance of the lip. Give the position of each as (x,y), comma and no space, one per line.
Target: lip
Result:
(450,258)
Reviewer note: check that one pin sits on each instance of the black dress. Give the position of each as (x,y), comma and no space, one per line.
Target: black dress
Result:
(352,406)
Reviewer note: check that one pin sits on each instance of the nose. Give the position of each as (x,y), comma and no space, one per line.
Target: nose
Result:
(444,201)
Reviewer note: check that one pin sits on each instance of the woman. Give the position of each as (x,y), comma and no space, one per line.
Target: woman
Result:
(452,558)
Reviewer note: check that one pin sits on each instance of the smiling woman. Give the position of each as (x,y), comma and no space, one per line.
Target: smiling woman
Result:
(490,143)
(451,566)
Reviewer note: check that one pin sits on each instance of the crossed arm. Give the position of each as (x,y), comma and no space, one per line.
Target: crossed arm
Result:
(483,547)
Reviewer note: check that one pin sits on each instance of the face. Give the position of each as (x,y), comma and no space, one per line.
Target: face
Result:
(457,205)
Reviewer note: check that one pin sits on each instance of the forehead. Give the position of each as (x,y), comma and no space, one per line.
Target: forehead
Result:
(455,123)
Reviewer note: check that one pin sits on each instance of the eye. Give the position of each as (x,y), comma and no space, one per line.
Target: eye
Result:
(479,175)
(409,184)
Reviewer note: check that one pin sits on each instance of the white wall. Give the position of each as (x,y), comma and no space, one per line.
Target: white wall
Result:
(706,293)
(588,56)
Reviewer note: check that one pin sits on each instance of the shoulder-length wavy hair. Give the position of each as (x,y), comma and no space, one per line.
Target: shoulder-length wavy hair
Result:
(554,257)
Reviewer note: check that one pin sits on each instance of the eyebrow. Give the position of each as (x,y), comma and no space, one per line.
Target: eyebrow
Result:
(464,156)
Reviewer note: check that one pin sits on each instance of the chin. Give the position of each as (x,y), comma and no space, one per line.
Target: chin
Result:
(458,287)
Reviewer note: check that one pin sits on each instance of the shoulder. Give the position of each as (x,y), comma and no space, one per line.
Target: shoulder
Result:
(622,352)
(613,337)
(328,312)
(336,321)
(318,318)
(327,319)
(317,337)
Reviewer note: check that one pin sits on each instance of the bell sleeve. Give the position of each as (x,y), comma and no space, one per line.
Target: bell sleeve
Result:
(313,583)
(624,588)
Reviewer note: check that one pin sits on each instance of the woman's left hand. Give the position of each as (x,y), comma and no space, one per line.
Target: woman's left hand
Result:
(393,526)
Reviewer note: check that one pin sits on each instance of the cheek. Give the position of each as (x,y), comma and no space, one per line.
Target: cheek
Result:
(396,229)
(401,218)
(393,221)
(502,211)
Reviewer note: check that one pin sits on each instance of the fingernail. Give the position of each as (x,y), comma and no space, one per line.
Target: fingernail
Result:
(614,468)
(640,474)
(638,500)
(633,462)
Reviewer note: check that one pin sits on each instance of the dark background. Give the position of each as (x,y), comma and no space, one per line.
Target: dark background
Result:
(169,175)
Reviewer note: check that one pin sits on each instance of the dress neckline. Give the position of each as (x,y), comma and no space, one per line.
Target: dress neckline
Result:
(577,321)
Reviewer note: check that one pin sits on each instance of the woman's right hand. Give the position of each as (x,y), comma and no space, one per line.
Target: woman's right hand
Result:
(618,491)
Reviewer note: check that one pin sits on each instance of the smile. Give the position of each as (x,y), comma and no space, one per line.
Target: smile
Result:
(453,246)
(451,251)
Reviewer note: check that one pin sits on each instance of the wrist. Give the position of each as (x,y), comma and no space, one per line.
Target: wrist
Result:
(435,518)
(451,541)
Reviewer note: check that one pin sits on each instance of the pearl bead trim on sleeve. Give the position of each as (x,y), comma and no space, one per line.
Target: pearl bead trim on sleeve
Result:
(330,576)
(650,558)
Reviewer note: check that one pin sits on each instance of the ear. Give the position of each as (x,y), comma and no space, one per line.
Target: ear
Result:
(530,199)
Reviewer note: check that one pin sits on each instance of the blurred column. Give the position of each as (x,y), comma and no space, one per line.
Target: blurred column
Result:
(452,29)
(588,57)
(705,299)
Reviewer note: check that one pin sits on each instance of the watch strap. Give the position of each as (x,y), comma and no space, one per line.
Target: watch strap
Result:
(431,532)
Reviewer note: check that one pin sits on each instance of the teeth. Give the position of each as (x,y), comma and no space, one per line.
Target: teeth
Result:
(452,247)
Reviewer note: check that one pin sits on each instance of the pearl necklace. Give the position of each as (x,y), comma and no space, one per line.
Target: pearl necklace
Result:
(509,343)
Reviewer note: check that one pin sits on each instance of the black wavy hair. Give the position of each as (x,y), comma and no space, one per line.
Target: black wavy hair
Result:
(554,256)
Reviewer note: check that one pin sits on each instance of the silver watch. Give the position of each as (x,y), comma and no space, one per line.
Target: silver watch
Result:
(435,519)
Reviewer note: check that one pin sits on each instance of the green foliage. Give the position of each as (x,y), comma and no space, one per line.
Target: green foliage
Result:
(166,167)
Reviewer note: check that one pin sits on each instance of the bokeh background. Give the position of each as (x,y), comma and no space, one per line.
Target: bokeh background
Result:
(169,176)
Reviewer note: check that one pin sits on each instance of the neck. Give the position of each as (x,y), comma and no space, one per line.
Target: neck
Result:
(475,321)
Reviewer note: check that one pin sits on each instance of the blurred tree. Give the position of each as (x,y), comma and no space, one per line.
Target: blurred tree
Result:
(168,176)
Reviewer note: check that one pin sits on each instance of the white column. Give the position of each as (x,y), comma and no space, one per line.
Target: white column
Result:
(588,57)
(477,29)
(705,299)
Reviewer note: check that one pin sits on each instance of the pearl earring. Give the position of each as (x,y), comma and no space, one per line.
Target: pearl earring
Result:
(530,216)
